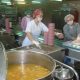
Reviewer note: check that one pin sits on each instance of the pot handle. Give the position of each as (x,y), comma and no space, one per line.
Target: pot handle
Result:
(76,74)
(57,67)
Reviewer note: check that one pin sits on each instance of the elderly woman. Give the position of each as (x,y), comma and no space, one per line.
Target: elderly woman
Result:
(71,29)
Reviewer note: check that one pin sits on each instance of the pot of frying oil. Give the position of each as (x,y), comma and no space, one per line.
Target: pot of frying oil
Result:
(27,65)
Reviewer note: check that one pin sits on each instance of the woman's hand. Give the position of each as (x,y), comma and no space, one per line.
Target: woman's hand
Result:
(36,43)
(59,35)
(76,41)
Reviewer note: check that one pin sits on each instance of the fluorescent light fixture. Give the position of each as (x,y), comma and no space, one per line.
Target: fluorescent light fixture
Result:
(21,2)
(55,0)
(58,0)
(36,2)
(6,1)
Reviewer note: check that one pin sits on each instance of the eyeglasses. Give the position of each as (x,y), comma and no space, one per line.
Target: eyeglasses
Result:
(69,20)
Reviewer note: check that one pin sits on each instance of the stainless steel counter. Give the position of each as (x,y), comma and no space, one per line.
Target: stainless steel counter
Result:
(54,51)
(74,50)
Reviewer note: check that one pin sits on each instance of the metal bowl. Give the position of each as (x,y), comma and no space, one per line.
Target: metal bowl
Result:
(63,74)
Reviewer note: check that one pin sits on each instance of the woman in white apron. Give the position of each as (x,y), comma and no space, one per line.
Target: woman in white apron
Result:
(34,29)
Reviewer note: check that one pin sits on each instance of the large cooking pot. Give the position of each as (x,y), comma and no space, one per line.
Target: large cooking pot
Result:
(25,56)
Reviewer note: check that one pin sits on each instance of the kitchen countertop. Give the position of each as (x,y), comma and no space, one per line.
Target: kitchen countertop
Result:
(44,48)
(48,49)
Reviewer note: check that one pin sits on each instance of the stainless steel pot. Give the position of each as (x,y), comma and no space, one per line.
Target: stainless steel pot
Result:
(25,56)
(63,73)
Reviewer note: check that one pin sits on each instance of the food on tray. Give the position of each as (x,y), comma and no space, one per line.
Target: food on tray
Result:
(76,42)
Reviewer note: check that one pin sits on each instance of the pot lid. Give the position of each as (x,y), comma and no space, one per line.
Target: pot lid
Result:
(3,64)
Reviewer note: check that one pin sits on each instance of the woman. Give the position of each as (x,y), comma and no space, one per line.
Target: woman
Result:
(71,29)
(25,20)
(71,33)
(34,29)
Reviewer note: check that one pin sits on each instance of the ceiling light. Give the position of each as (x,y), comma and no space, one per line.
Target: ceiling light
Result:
(55,0)
(6,1)
(21,2)
(36,2)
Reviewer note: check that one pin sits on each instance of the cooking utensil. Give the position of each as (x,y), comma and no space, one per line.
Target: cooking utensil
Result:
(70,68)
(63,74)
(29,57)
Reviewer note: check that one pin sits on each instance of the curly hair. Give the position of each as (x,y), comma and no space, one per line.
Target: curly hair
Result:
(68,17)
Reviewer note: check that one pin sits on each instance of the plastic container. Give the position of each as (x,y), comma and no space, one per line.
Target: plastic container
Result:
(51,27)
(49,36)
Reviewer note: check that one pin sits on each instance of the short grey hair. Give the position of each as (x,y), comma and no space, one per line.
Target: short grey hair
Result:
(69,16)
